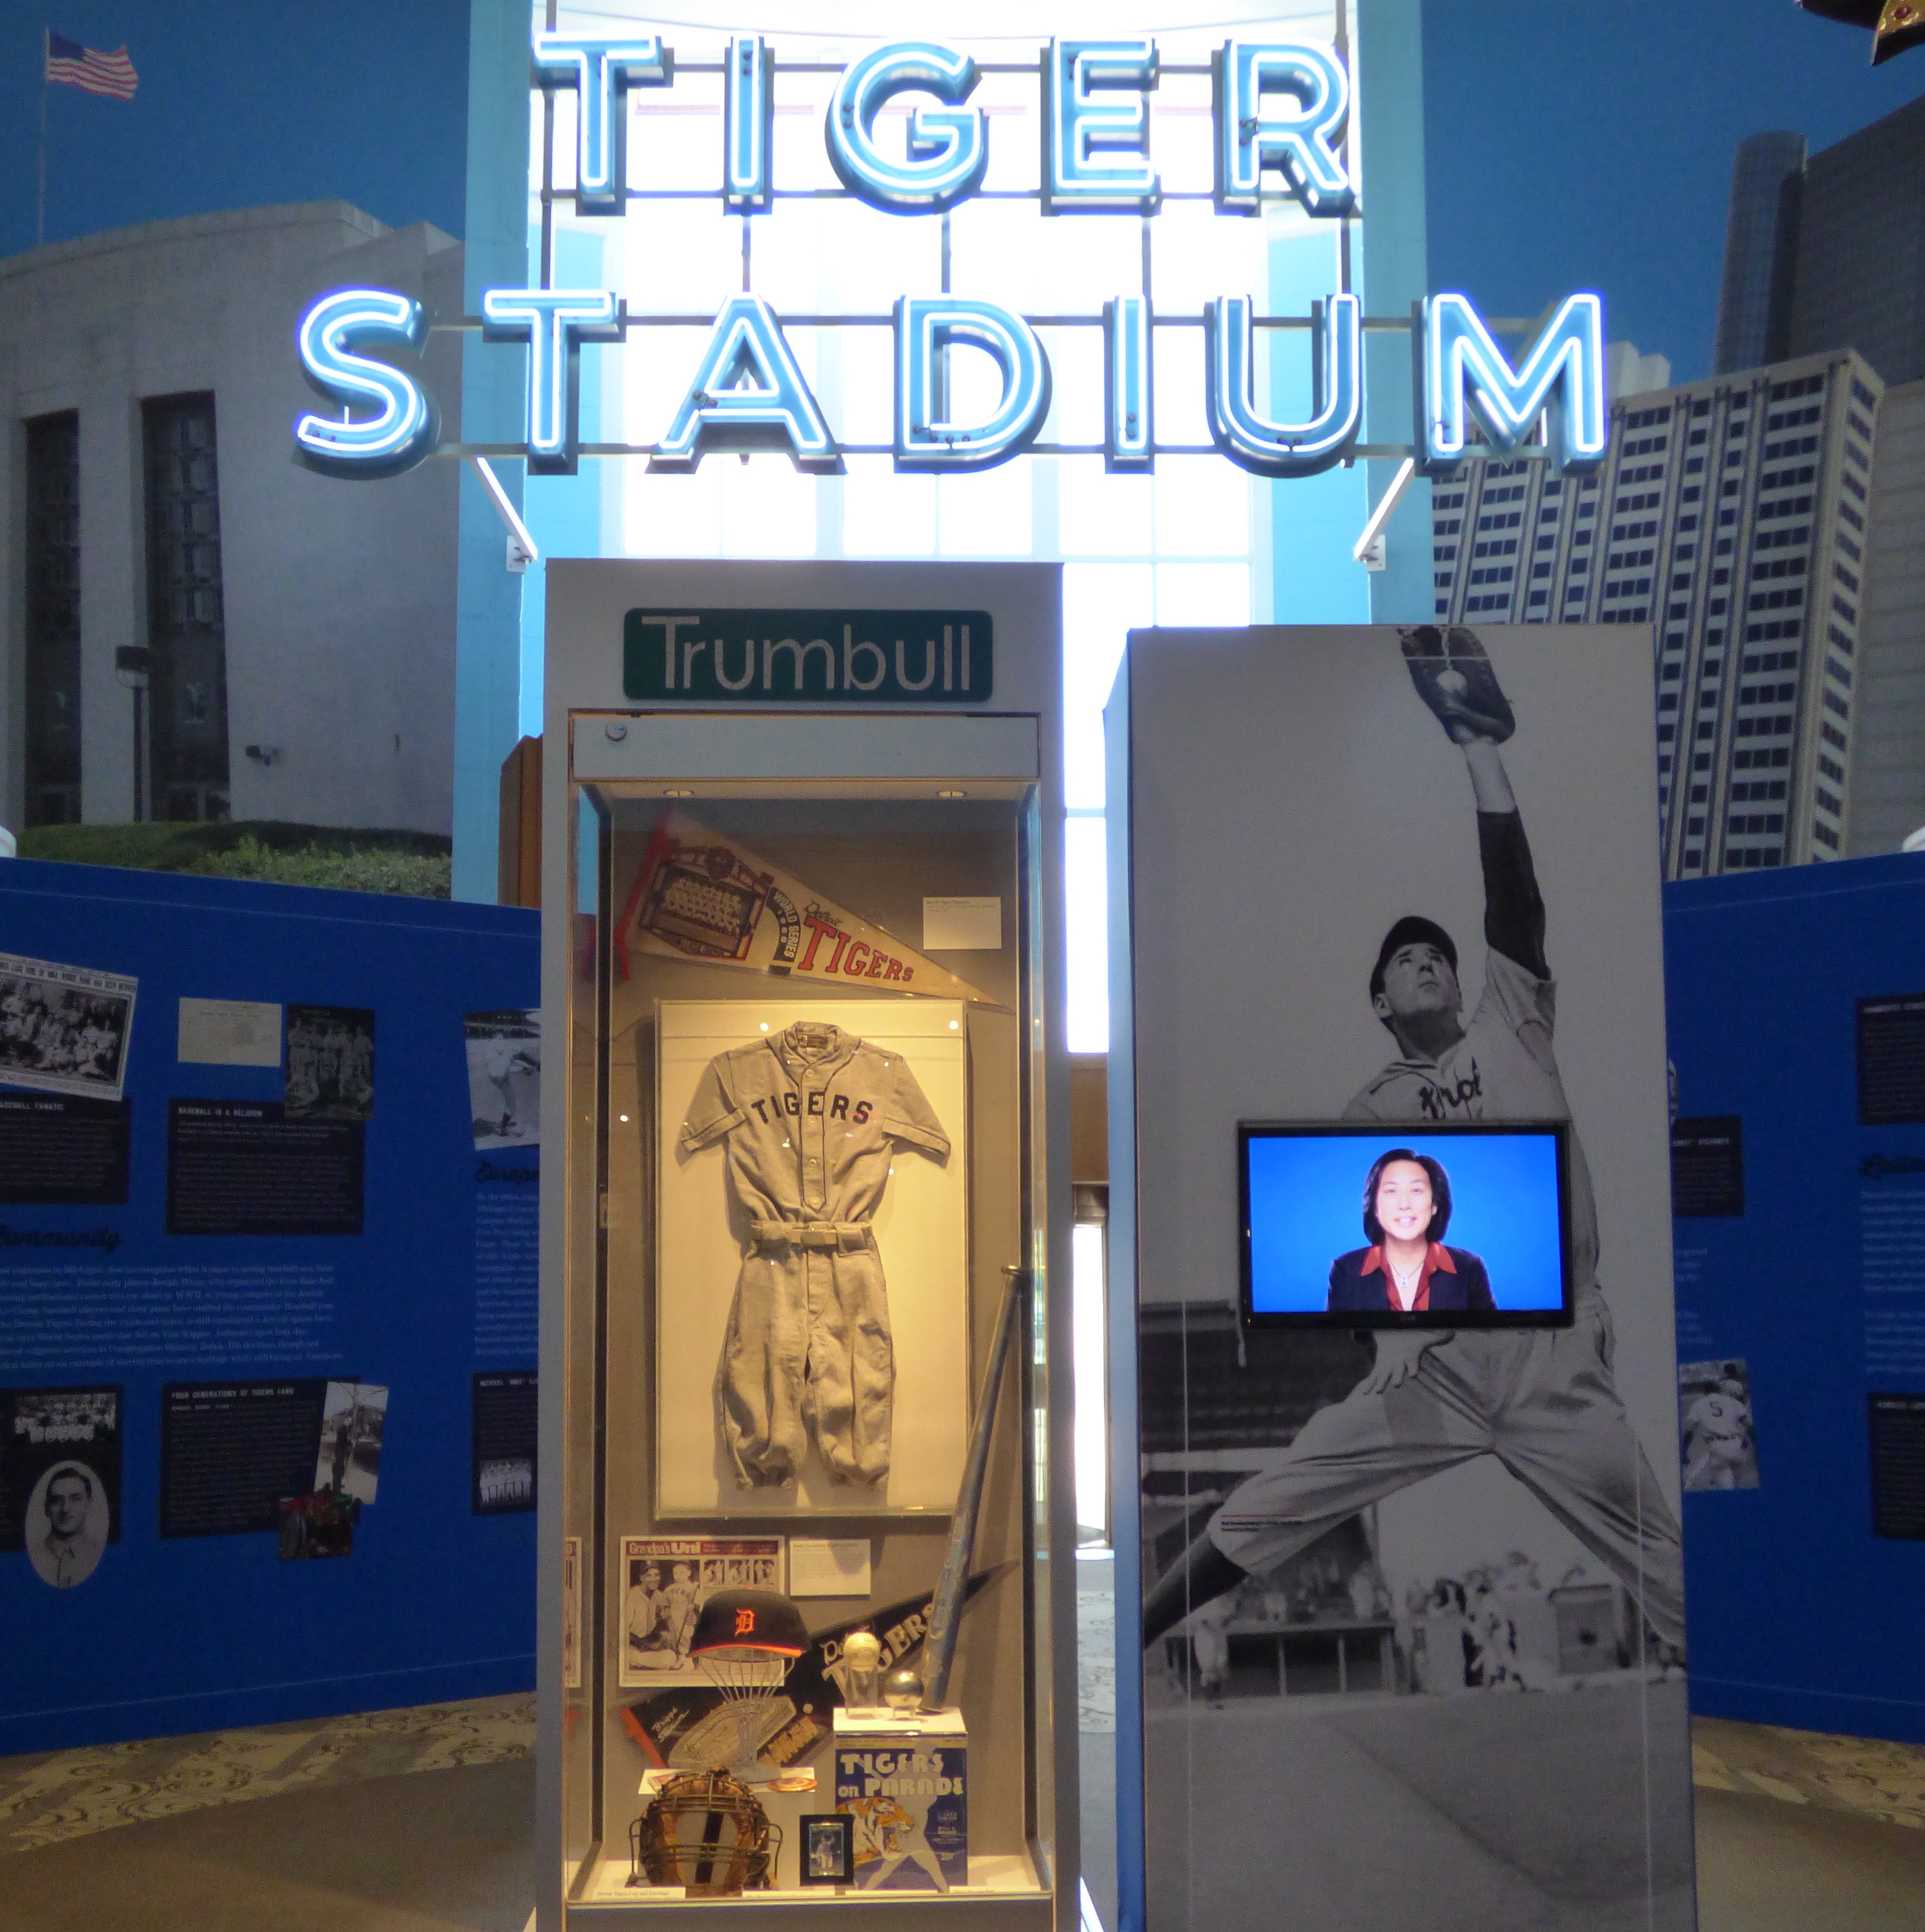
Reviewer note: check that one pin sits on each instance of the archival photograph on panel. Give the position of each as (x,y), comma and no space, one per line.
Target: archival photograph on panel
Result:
(505,1077)
(64,1029)
(1429,1576)
(330,1063)
(60,1479)
(1717,1440)
(352,1419)
(811,1307)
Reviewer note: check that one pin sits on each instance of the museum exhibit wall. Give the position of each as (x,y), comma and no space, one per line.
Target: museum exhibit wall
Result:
(1411,1618)
(1797,1018)
(268,1171)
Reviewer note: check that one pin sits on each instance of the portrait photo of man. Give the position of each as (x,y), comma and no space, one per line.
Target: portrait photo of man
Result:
(66,1519)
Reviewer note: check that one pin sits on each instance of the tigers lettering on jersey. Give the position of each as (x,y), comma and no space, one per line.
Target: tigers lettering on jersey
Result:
(790,1103)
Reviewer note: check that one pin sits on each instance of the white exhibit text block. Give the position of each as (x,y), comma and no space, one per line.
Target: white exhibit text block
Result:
(962,924)
(230,1033)
(828,1566)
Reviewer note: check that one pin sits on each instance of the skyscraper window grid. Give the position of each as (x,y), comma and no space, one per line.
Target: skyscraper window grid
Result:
(1730,515)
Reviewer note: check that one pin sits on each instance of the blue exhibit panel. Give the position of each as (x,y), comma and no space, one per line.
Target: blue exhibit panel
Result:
(1800,1613)
(189,1631)
(1306,1207)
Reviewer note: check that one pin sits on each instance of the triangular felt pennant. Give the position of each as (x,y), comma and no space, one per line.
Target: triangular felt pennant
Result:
(699,895)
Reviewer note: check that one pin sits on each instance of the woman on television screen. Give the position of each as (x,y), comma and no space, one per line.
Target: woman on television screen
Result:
(1407,1268)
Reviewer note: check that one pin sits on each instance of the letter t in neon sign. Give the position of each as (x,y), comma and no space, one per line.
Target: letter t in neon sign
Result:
(553,322)
(601,71)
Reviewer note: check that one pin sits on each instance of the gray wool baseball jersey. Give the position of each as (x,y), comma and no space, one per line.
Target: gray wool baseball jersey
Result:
(810,1118)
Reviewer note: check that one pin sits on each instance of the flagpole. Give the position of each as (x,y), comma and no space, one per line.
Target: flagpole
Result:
(40,224)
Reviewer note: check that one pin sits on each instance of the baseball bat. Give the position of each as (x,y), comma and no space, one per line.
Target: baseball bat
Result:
(946,1610)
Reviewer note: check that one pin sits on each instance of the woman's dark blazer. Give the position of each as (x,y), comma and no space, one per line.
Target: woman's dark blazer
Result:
(1464,1285)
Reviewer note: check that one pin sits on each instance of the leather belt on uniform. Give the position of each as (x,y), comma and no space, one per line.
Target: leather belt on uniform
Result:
(846,1237)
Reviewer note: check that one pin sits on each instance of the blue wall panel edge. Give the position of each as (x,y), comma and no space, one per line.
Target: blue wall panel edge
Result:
(1801,1616)
(1792,1707)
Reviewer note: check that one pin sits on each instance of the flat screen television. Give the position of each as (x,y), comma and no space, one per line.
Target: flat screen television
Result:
(1469,1225)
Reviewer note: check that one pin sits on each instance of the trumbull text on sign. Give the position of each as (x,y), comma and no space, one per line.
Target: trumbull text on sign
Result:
(1280,110)
(812,657)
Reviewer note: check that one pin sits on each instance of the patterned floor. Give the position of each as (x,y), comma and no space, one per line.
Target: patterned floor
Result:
(1864,1776)
(1095,1661)
(55,1795)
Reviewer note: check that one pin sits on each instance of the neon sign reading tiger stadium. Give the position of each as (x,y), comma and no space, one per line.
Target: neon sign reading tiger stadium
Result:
(1278,109)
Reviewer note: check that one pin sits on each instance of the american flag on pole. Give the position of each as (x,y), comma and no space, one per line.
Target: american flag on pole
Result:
(68,62)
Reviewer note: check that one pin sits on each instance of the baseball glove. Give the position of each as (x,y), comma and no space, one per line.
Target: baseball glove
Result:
(1454,677)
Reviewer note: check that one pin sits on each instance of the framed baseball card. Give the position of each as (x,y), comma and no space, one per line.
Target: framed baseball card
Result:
(828,1848)
(812,1256)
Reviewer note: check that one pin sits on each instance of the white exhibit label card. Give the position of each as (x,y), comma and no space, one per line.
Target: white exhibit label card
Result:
(828,1566)
(963,925)
(230,1033)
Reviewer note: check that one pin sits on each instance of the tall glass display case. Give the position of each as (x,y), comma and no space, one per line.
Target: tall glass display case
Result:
(807,1607)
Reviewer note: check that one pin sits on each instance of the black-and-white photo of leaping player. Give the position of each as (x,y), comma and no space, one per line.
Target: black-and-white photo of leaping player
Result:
(1544,1402)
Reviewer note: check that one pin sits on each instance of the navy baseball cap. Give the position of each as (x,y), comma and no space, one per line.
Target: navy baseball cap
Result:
(1409,930)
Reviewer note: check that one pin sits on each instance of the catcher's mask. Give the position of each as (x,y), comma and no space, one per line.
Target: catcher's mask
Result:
(704,1831)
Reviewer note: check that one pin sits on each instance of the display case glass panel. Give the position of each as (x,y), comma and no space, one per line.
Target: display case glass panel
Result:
(805,1166)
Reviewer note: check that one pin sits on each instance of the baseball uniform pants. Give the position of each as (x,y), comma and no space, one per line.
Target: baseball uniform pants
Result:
(808,1347)
(1543,1403)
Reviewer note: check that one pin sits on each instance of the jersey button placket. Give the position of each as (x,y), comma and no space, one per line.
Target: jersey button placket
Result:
(810,1124)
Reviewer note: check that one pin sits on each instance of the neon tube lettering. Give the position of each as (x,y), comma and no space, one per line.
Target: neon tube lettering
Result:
(1255,130)
(1459,360)
(1096,127)
(404,427)
(554,322)
(601,71)
(1285,449)
(948,147)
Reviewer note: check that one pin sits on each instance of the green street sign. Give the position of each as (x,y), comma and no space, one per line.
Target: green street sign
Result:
(808,657)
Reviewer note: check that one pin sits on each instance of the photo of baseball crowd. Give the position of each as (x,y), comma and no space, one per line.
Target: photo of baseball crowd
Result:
(1330,1621)
(55,1034)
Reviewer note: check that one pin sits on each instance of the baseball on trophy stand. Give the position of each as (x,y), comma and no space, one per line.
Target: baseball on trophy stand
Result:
(902,1689)
(862,1671)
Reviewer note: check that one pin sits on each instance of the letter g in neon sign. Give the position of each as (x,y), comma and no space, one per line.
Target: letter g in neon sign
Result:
(948,147)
